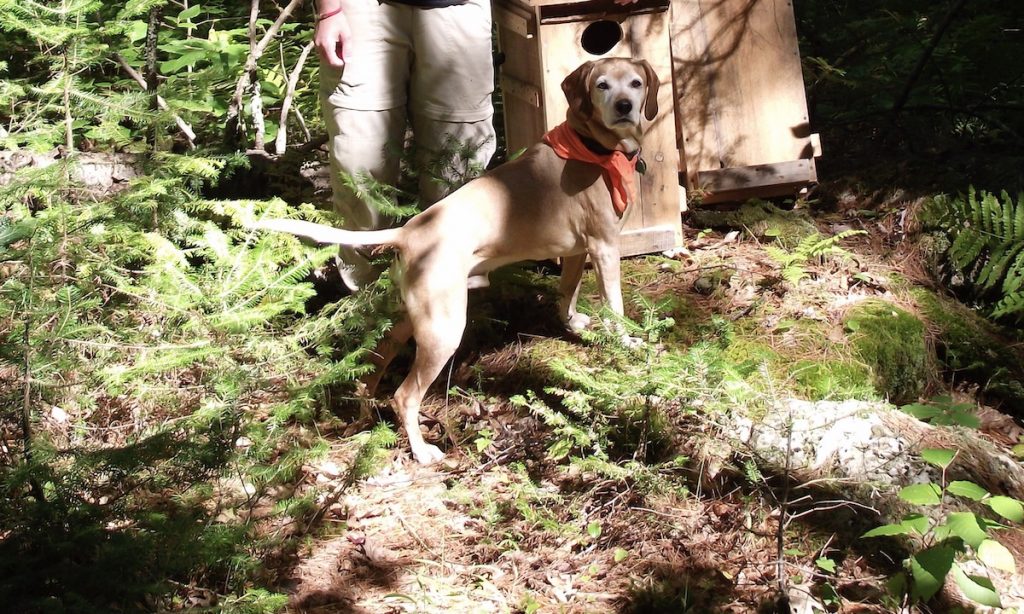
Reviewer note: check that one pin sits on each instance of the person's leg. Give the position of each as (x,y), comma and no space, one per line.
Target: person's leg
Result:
(361,142)
(364,108)
(450,94)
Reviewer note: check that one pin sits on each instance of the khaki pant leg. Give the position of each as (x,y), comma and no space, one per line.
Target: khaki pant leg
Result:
(450,94)
(364,109)
(362,142)
(439,147)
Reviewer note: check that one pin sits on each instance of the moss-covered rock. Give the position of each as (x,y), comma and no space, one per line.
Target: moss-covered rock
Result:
(891,342)
(975,350)
(761,219)
(833,380)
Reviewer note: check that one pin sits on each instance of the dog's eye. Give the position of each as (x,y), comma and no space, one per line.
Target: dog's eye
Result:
(637,83)
(602,85)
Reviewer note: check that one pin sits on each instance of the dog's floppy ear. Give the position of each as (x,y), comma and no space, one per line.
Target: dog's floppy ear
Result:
(651,101)
(577,90)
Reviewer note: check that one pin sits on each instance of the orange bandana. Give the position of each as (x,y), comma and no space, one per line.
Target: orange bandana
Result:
(617,169)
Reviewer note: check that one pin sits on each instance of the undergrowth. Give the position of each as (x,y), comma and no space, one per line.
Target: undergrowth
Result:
(139,335)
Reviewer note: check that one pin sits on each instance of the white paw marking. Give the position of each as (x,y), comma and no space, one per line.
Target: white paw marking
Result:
(578,322)
(631,342)
(427,454)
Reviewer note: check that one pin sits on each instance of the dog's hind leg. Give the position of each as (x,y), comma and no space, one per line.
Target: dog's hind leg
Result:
(380,358)
(438,322)
(385,352)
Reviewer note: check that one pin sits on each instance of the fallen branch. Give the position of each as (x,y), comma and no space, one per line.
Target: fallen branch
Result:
(233,121)
(281,143)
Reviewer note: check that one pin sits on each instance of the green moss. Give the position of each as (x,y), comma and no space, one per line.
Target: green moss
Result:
(891,342)
(748,352)
(761,219)
(833,380)
(975,349)
(690,320)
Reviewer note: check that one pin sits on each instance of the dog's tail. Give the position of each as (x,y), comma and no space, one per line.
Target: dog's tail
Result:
(328,234)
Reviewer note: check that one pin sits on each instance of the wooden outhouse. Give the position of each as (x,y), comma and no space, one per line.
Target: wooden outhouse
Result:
(733,120)
(545,40)
(740,101)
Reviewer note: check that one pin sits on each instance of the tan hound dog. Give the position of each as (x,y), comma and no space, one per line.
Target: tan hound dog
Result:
(536,207)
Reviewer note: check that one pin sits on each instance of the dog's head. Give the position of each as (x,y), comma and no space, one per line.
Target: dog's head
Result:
(606,97)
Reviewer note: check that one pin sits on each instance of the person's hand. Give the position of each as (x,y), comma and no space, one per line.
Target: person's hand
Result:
(330,37)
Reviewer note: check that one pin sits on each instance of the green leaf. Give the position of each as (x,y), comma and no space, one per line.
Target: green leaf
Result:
(594,530)
(189,13)
(918,522)
(977,589)
(921,411)
(827,564)
(970,490)
(619,555)
(137,30)
(888,529)
(921,494)
(939,457)
(994,554)
(1007,507)
(929,568)
(897,585)
(968,527)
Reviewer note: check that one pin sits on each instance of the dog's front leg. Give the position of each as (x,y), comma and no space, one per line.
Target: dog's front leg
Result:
(606,263)
(609,280)
(569,291)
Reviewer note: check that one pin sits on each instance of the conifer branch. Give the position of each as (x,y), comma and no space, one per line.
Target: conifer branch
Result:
(185,127)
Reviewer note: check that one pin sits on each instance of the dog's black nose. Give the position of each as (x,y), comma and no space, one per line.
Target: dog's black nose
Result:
(623,107)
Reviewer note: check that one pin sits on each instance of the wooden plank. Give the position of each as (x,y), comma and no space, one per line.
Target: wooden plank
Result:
(591,10)
(524,121)
(745,177)
(764,180)
(739,88)
(526,92)
(647,240)
(514,20)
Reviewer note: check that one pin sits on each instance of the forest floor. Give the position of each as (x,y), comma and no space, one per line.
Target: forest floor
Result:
(730,463)
(506,525)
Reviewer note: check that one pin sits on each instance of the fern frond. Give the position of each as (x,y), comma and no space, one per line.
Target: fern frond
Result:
(987,243)
(1010,305)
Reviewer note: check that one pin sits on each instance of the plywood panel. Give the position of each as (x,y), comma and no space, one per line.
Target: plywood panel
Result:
(524,120)
(739,88)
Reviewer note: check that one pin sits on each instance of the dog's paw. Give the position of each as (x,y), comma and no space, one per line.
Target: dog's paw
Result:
(632,343)
(578,323)
(427,454)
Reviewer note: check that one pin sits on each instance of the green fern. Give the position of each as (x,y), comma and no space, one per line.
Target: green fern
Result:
(986,235)
(812,247)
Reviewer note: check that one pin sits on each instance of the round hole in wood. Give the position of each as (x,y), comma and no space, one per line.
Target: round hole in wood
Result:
(599,37)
